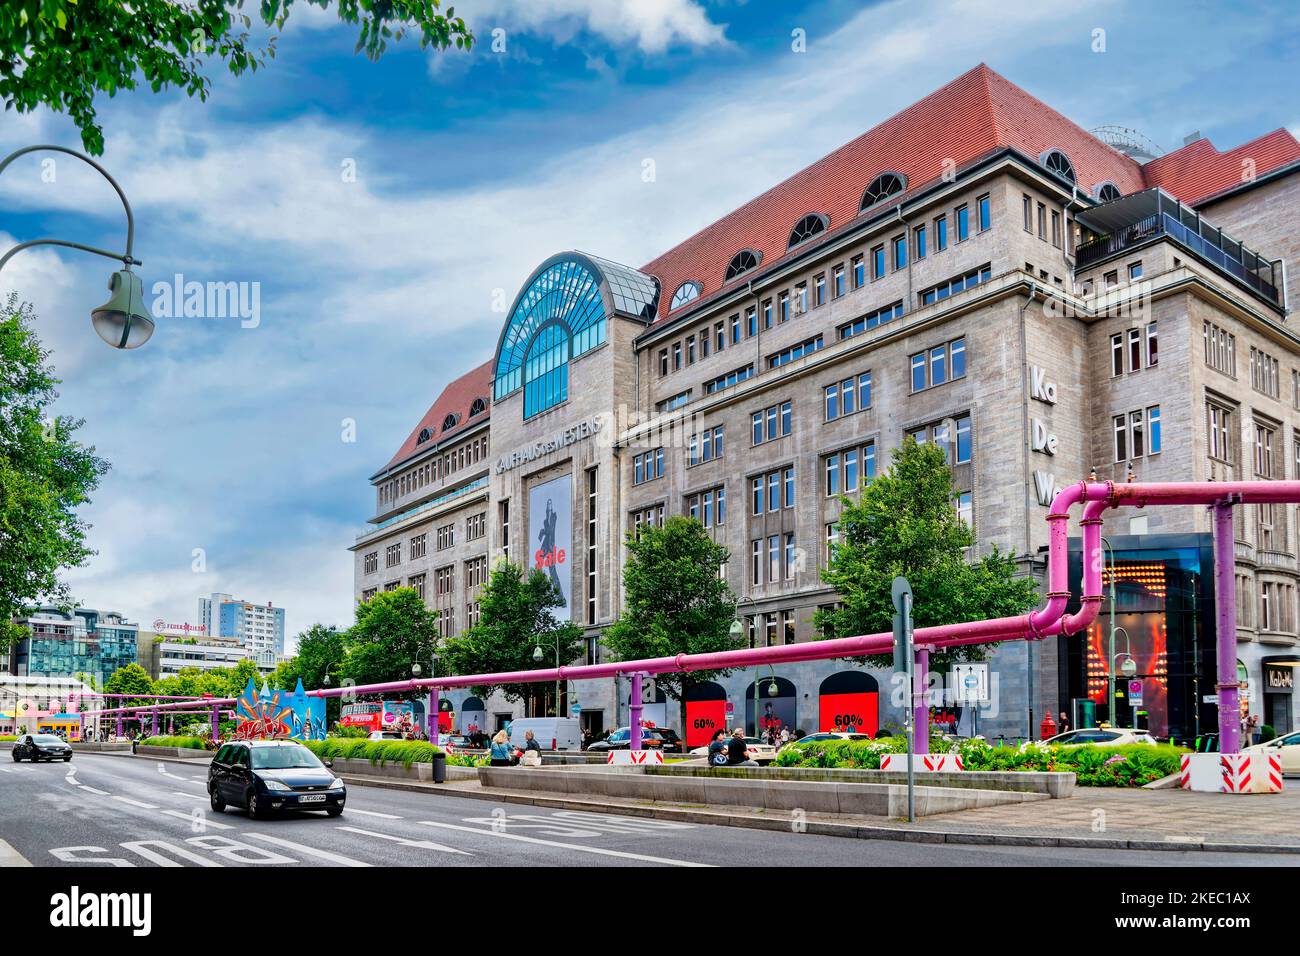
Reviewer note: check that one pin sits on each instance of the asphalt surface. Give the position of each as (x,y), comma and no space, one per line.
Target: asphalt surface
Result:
(108,810)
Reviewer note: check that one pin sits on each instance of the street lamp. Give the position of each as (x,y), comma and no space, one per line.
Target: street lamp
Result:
(123,321)
(435,696)
(537,658)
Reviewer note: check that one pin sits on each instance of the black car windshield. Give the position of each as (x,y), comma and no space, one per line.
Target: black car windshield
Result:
(47,739)
(284,758)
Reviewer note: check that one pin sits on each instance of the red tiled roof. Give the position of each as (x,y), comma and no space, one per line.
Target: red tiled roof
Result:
(456,399)
(975,115)
(1199,170)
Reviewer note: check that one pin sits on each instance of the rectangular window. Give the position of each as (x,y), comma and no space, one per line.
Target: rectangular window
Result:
(982,207)
(1042,222)
(1220,349)
(663,362)
(1029,214)
(918,241)
(956,284)
(965,509)
(837,282)
(900,252)
(832,475)
(1120,423)
(719,336)
(773,558)
(783,307)
(730,379)
(1153,349)
(940,233)
(1134,271)
(1117,354)
(593,512)
(708,507)
(503,519)
(690,350)
(647,466)
(801,298)
(878,262)
(819,290)
(938,365)
(1219,432)
(786,356)
(1153,426)
(1134,350)
(735,329)
(962,218)
(1264,373)
(871,320)
(1056,229)
(859,272)
(751,322)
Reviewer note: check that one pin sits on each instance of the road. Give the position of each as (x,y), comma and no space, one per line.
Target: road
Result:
(110,810)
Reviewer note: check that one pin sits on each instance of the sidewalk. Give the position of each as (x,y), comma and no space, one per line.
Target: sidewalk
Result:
(1101,818)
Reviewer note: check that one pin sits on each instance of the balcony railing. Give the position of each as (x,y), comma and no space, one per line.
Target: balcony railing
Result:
(1244,551)
(1277,559)
(1140,217)
(432,503)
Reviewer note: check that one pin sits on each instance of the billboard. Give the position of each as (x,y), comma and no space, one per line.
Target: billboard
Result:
(278,713)
(550,535)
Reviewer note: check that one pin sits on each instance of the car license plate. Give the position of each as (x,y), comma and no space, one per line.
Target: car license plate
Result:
(312,798)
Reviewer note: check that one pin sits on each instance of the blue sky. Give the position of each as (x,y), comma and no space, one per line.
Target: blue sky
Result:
(470,169)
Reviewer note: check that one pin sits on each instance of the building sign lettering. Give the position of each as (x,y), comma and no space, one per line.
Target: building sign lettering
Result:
(570,436)
(1040,388)
(1041,440)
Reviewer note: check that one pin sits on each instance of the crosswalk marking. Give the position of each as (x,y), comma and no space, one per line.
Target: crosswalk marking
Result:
(519,837)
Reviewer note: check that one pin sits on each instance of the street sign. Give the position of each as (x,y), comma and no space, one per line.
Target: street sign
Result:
(970,683)
(576,709)
(1210,699)
(1135,693)
(901,592)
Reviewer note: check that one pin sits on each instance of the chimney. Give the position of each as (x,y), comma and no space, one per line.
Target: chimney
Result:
(1191,137)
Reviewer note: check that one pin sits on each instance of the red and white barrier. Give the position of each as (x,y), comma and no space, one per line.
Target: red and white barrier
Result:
(633,758)
(1232,773)
(932,763)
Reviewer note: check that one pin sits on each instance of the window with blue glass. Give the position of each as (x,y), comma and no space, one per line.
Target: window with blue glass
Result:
(982,207)
(546,370)
(900,252)
(963,222)
(941,233)
(957,284)
(871,320)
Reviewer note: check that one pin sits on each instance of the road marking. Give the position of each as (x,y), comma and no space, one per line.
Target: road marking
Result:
(190,818)
(564,846)
(372,813)
(307,850)
(422,844)
(136,803)
(102,793)
(11,857)
(142,847)
(192,796)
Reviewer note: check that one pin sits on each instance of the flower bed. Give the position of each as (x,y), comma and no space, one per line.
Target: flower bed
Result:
(1131,765)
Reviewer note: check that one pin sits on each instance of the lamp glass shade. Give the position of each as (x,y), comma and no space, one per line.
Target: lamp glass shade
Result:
(122,321)
(736,629)
(537,653)
(416,668)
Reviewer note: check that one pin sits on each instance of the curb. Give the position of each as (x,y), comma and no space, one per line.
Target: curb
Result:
(820,828)
(9,857)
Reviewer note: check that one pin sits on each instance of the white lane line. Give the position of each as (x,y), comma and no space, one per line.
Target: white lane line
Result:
(421,844)
(102,793)
(306,850)
(136,803)
(564,846)
(190,818)
(202,780)
(192,796)
(372,813)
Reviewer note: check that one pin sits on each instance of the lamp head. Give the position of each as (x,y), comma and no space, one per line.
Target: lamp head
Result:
(736,629)
(123,321)
(537,653)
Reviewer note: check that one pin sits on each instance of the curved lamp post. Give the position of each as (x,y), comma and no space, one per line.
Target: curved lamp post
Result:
(123,321)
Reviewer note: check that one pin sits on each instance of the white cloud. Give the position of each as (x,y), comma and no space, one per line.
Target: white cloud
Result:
(653,26)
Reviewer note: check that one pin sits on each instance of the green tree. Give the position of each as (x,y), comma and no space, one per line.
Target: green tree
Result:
(516,617)
(62,53)
(45,474)
(321,651)
(131,679)
(676,601)
(393,630)
(905,522)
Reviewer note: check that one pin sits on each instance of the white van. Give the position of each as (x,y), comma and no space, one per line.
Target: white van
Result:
(552,733)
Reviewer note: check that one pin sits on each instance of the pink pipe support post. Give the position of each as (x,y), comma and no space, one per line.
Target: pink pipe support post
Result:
(634,740)
(216,727)
(920,689)
(1225,598)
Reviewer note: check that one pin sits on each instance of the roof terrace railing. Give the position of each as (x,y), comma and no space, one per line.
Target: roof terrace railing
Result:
(1165,217)
(425,506)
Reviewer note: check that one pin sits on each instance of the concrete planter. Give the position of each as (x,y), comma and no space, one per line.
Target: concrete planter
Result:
(871,799)
(1055,785)
(416,772)
(184,753)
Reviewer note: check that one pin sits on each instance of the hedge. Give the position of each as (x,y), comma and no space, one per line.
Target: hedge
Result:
(1130,765)
(405,752)
(4,738)
(187,743)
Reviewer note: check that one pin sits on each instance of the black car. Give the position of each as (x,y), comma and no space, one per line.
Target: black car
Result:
(621,739)
(36,747)
(268,775)
(672,743)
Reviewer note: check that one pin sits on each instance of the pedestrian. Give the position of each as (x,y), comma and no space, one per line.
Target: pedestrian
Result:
(1063,724)
(500,753)
(738,750)
(1252,729)
(785,736)
(717,756)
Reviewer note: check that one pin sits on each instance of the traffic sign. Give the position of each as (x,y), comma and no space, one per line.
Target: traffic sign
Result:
(1135,693)
(576,709)
(970,683)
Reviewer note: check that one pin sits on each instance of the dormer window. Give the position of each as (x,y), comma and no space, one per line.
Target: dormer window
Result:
(1059,163)
(686,292)
(881,188)
(742,262)
(477,408)
(449,423)
(807,227)
(1108,192)
(424,436)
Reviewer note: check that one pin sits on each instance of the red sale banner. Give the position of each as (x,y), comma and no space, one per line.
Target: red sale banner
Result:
(704,718)
(842,711)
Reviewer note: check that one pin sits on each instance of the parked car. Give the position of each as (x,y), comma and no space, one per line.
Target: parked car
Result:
(1287,747)
(459,742)
(385,735)
(1100,736)
(672,743)
(37,747)
(829,735)
(269,775)
(621,739)
(759,751)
